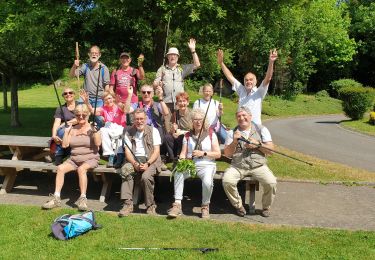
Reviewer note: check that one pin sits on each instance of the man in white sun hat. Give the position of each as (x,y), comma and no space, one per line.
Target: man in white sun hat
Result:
(171,76)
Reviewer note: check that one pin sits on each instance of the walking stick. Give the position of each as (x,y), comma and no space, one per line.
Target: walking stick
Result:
(221,89)
(57,95)
(202,250)
(166,40)
(269,149)
(204,119)
(97,92)
(77,58)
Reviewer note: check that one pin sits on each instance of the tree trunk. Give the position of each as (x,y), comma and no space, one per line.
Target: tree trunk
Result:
(5,97)
(159,37)
(14,119)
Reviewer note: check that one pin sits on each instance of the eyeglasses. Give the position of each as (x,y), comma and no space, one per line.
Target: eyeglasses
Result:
(68,93)
(81,115)
(197,119)
(94,53)
(148,92)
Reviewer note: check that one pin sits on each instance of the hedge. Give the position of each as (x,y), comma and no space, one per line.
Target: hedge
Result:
(356,100)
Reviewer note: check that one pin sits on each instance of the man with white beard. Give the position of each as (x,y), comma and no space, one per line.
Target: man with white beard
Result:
(90,72)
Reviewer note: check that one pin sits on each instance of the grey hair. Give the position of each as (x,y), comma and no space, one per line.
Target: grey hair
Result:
(198,112)
(244,109)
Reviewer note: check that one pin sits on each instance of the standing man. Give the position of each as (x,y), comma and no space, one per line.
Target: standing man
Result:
(248,160)
(125,76)
(144,141)
(171,76)
(91,72)
(249,94)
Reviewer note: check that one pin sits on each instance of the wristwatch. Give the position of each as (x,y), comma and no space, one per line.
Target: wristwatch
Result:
(148,164)
(204,154)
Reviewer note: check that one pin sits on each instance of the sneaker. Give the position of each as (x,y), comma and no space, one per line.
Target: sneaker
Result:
(126,210)
(205,211)
(175,211)
(54,202)
(241,211)
(119,160)
(111,161)
(265,213)
(151,210)
(82,204)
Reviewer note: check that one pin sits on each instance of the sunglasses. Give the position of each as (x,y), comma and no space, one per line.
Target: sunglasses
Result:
(148,92)
(81,115)
(68,93)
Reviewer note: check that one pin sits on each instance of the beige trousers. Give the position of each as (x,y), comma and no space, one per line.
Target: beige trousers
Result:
(262,174)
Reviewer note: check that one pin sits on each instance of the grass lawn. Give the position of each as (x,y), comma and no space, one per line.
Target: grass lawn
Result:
(27,236)
(361,125)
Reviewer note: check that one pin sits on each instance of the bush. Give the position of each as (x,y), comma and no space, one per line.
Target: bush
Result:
(356,101)
(372,118)
(336,85)
(291,92)
(321,94)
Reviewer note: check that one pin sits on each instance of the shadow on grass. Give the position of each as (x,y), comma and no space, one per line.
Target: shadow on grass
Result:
(34,122)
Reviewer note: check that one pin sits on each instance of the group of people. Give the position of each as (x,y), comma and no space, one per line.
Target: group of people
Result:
(133,133)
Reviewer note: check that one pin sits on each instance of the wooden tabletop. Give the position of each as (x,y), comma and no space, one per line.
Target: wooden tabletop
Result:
(24,141)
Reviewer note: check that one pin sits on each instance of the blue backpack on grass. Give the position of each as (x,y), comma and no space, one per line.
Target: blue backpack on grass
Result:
(68,226)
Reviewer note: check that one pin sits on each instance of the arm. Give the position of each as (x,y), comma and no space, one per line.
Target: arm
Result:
(215,152)
(141,71)
(191,45)
(158,79)
(97,137)
(272,58)
(56,125)
(154,156)
(220,60)
(73,70)
(231,148)
(184,150)
(67,135)
(164,108)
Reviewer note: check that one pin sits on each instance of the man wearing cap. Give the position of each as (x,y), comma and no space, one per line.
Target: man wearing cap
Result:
(248,160)
(249,94)
(125,76)
(91,72)
(171,76)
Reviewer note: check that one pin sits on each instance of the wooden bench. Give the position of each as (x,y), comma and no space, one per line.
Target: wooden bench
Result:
(10,168)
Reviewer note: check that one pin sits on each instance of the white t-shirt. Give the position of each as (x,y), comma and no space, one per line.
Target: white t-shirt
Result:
(264,134)
(212,111)
(140,150)
(206,147)
(253,100)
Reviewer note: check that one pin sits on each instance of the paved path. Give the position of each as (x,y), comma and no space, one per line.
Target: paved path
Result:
(323,137)
(296,204)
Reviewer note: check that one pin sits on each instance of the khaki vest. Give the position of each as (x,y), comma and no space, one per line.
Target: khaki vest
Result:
(248,159)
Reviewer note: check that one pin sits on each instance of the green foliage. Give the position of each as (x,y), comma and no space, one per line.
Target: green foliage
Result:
(356,101)
(321,94)
(291,92)
(185,166)
(372,118)
(336,85)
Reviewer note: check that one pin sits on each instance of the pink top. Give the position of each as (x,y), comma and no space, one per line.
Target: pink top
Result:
(122,78)
(113,114)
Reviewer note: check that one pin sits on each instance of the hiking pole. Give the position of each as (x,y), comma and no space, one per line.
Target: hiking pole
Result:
(221,89)
(57,95)
(269,149)
(77,58)
(124,142)
(166,39)
(204,120)
(97,93)
(202,250)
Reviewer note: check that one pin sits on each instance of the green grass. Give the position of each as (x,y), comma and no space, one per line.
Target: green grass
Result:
(27,236)
(361,125)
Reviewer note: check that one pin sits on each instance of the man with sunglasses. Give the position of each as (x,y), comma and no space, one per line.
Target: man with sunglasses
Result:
(91,71)
(171,76)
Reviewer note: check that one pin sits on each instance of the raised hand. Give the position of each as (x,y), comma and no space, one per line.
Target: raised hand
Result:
(220,56)
(140,59)
(191,44)
(273,55)
(76,63)
(84,96)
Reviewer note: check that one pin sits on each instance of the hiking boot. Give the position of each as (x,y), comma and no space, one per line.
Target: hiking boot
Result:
(265,213)
(82,204)
(151,210)
(111,161)
(119,160)
(241,211)
(54,202)
(126,210)
(175,211)
(205,210)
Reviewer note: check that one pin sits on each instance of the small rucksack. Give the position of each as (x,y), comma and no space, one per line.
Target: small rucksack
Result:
(68,226)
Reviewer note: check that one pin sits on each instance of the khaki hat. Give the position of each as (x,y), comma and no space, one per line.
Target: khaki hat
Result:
(173,50)
(125,54)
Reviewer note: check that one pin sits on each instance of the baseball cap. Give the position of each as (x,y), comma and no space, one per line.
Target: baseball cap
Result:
(125,54)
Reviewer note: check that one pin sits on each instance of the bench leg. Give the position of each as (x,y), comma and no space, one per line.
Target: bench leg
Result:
(107,183)
(250,196)
(10,177)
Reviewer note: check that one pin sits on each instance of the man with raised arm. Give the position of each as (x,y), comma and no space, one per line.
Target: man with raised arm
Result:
(171,76)
(249,94)
(248,160)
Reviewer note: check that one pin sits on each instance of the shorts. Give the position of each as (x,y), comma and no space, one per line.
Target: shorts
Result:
(93,163)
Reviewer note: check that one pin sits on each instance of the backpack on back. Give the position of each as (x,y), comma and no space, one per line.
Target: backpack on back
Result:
(68,226)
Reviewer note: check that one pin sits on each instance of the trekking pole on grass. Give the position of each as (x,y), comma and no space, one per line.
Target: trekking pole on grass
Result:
(269,149)
(57,95)
(202,250)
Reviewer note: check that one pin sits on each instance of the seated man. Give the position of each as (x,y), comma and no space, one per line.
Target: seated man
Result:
(248,160)
(143,161)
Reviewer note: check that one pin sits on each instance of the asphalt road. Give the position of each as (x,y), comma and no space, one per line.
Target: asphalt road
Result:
(324,138)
